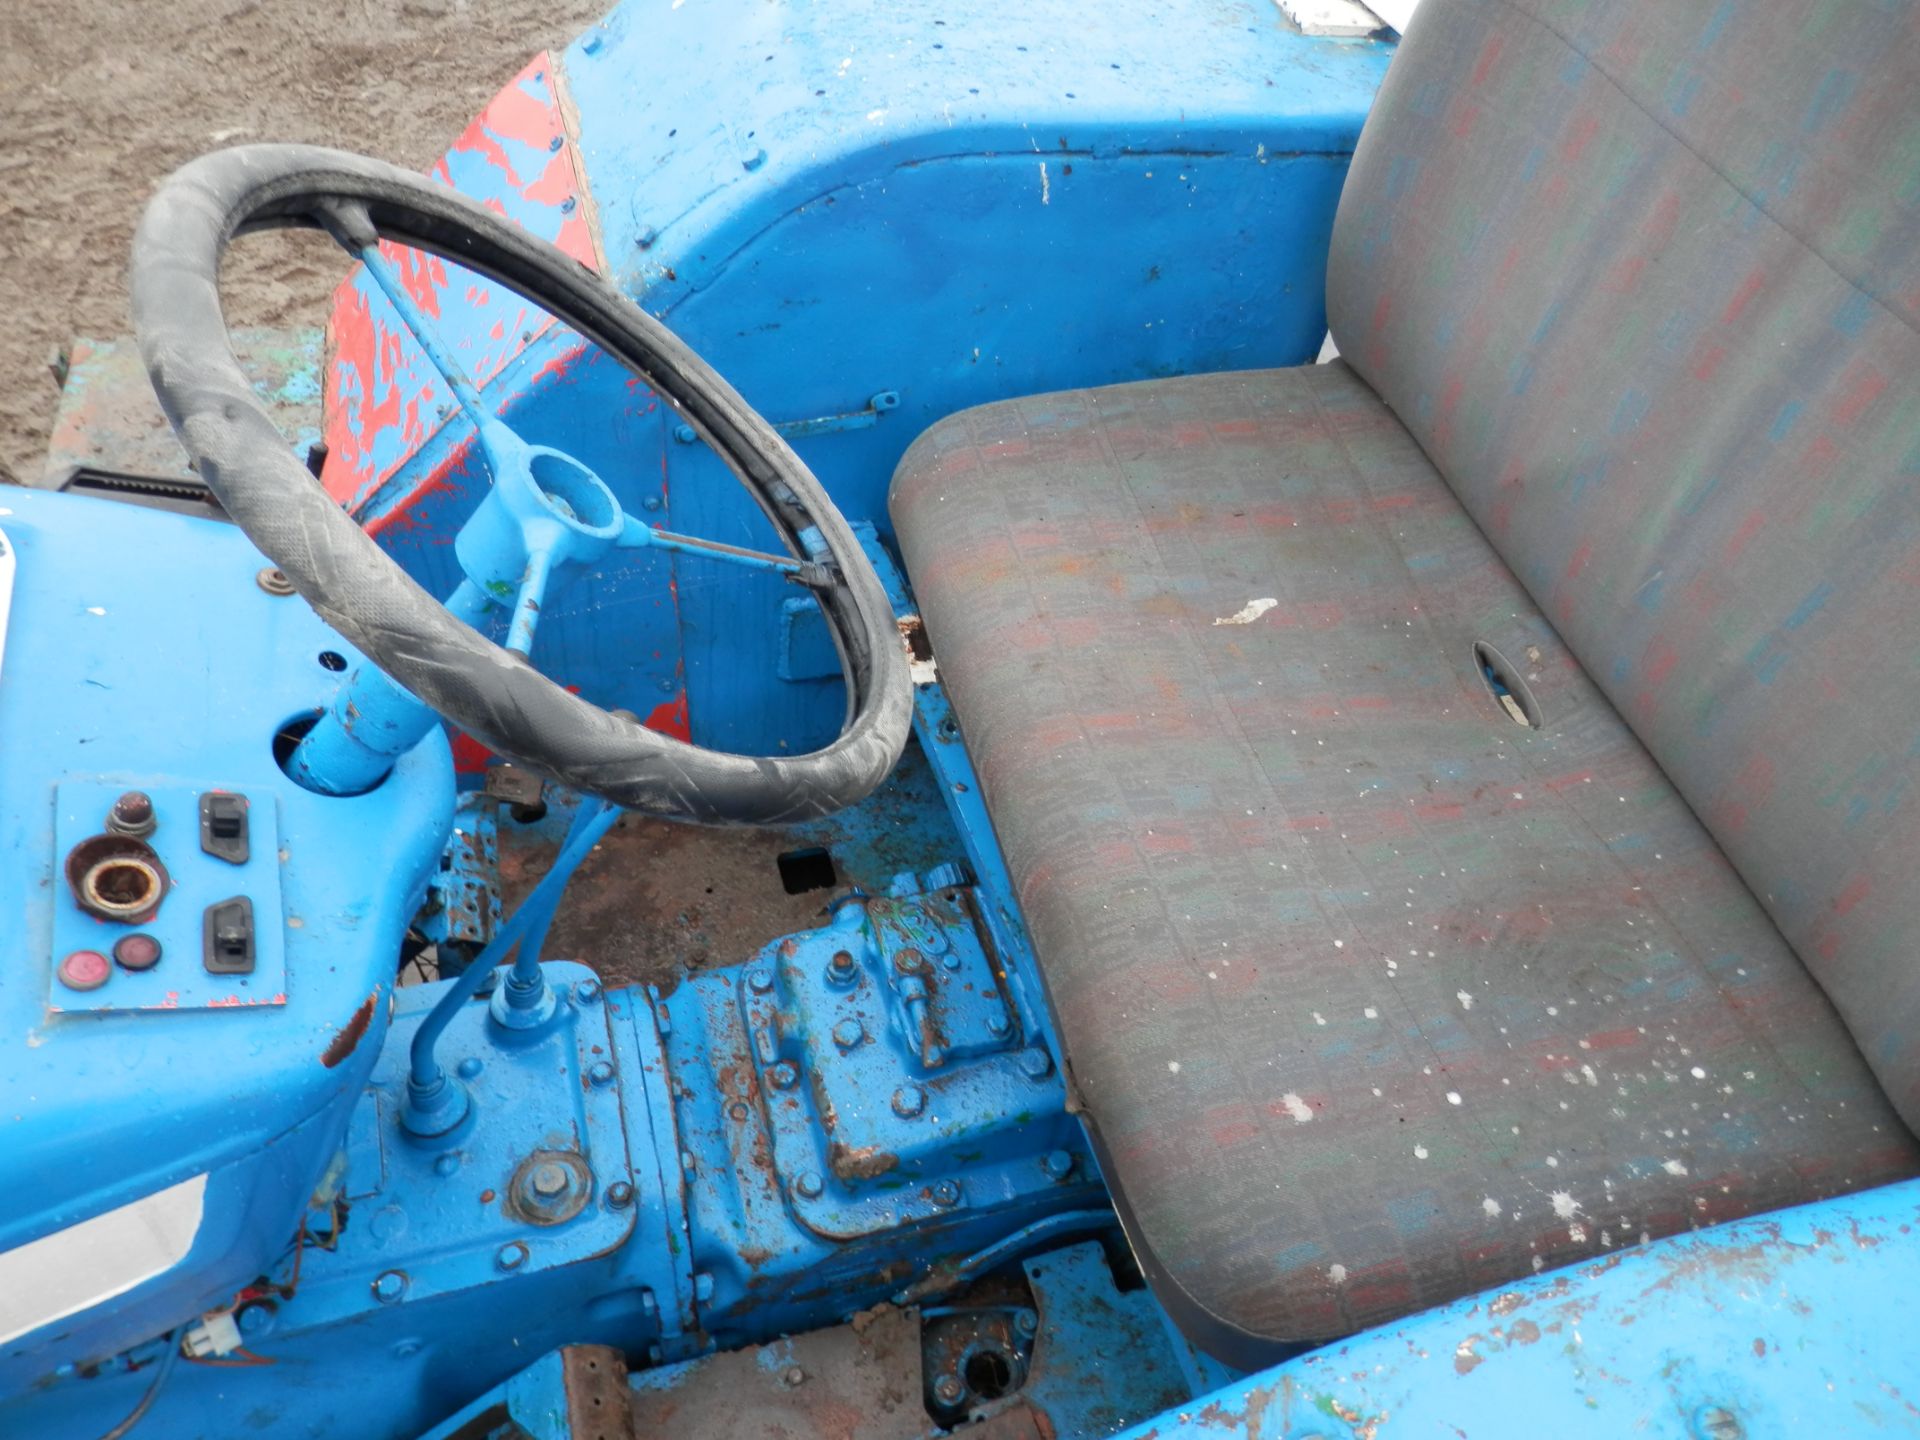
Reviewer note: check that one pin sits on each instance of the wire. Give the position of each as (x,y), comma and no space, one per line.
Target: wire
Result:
(161,1371)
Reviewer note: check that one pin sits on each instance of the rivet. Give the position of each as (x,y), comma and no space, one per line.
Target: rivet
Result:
(946,1193)
(389,1286)
(511,1256)
(136,952)
(1035,1062)
(470,1067)
(619,1195)
(808,1186)
(448,1163)
(601,1072)
(737,1111)
(587,992)
(909,1101)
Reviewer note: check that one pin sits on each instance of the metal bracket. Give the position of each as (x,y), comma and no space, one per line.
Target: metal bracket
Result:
(862,419)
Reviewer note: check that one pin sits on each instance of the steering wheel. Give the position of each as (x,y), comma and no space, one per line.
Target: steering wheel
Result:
(544,511)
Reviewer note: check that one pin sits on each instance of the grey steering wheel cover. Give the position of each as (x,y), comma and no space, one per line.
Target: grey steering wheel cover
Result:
(487,691)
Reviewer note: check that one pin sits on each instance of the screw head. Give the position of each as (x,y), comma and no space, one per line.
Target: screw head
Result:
(274,581)
(946,1194)
(601,1072)
(136,952)
(999,1025)
(548,1180)
(1058,1164)
(849,1033)
(619,1195)
(587,992)
(809,1186)
(948,1390)
(908,1101)
(793,1375)
(389,1286)
(511,1256)
(760,980)
(1036,1063)
(84,970)
(782,1076)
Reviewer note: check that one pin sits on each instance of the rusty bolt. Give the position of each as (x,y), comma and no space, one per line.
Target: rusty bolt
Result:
(909,961)
(1036,1063)
(619,1195)
(946,1194)
(760,980)
(948,1390)
(808,1186)
(782,1076)
(132,814)
(601,1072)
(1058,1164)
(389,1286)
(274,581)
(908,1101)
(548,1180)
(840,968)
(793,1375)
(511,1256)
(587,992)
(849,1033)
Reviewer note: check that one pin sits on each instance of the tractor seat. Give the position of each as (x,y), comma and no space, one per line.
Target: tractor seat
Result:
(1450,790)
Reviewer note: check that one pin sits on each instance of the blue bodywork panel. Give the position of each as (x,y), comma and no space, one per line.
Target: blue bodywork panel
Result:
(164,1075)
(866,217)
(1779,1325)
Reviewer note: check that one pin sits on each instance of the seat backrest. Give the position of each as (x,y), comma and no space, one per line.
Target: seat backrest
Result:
(1643,278)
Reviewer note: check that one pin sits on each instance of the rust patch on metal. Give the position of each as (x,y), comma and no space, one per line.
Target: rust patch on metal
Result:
(863,1162)
(595,1379)
(347,1041)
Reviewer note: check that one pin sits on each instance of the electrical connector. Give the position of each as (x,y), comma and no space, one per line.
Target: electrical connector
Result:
(217,1333)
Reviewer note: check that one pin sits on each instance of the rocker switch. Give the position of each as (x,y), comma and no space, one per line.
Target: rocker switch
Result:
(223,826)
(227,937)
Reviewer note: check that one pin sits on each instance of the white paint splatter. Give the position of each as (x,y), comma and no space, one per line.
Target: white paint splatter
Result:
(1466,1000)
(1045,191)
(1419,1152)
(1564,1205)
(1673,1167)
(1297,1108)
(876,116)
(1576,1233)
(96,609)
(1453,1097)
(1248,613)
(1491,1207)
(1698,1073)
(1337,1274)
(1173,1067)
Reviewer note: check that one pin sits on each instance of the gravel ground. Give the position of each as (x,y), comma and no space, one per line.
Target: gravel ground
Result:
(100,99)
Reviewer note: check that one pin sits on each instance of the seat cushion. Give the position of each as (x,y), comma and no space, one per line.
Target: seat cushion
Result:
(1374,996)
(1643,278)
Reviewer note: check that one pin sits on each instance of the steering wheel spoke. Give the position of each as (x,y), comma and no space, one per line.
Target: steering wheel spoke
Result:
(637,534)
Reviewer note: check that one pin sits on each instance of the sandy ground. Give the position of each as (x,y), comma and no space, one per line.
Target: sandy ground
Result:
(99,99)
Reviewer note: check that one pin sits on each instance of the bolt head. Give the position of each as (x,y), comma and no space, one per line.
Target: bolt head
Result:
(948,1390)
(469,1068)
(548,1180)
(389,1286)
(132,814)
(782,1076)
(1026,1322)
(909,1101)
(946,1193)
(511,1256)
(587,992)
(809,1186)
(760,980)
(601,1072)
(1058,1164)
(840,968)
(909,961)
(849,1033)
(1036,1063)
(448,1163)
(998,1025)
(619,1195)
